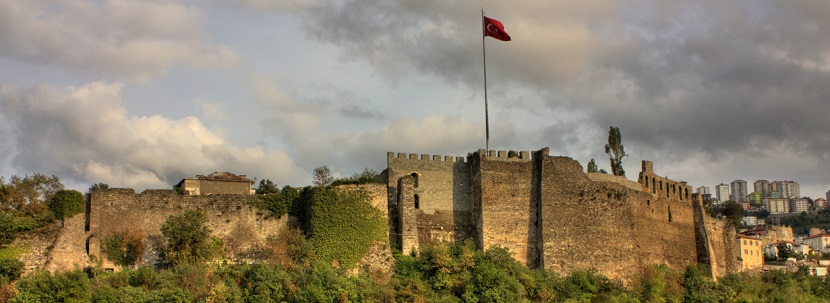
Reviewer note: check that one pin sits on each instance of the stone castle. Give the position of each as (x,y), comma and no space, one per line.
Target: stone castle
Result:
(544,209)
(550,214)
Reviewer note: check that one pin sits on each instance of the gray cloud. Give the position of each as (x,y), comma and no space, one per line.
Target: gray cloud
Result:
(116,38)
(693,80)
(85,136)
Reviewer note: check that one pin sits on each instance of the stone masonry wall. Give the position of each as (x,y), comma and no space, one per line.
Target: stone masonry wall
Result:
(242,227)
(551,214)
(441,187)
(508,214)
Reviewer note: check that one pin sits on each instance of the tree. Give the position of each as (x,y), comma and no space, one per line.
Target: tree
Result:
(615,151)
(733,211)
(124,248)
(67,203)
(98,185)
(785,251)
(322,176)
(592,166)
(28,195)
(267,187)
(188,238)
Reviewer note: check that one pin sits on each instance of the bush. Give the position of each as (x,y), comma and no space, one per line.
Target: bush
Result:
(10,269)
(124,248)
(42,286)
(187,239)
(67,203)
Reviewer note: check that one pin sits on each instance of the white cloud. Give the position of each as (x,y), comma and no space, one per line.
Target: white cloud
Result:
(85,135)
(130,38)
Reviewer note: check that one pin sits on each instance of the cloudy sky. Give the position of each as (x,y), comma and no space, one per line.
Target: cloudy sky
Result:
(141,93)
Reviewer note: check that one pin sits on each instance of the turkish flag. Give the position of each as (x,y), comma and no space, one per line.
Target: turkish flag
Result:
(495,29)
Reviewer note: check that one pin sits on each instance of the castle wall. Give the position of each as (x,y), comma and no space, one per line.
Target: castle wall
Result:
(608,225)
(507,212)
(242,227)
(441,187)
(551,214)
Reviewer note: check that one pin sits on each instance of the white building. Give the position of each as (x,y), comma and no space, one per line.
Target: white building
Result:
(799,205)
(819,243)
(777,205)
(722,192)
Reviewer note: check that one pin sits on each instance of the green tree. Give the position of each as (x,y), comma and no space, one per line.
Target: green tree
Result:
(733,212)
(124,248)
(785,251)
(28,195)
(615,151)
(592,166)
(322,176)
(98,185)
(187,239)
(67,203)
(267,187)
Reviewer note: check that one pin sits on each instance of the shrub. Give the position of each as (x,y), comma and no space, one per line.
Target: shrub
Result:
(67,203)
(124,248)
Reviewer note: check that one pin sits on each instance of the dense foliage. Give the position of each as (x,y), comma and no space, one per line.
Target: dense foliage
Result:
(368,175)
(277,202)
(187,239)
(124,248)
(67,203)
(341,225)
(802,223)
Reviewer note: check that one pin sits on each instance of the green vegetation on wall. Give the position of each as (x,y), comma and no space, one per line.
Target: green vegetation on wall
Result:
(341,225)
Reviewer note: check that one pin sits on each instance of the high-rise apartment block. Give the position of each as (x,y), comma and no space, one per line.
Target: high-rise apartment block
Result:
(738,191)
(703,190)
(761,186)
(722,192)
(788,189)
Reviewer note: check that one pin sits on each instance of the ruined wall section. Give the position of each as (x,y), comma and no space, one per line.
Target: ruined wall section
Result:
(441,193)
(716,245)
(508,216)
(609,224)
(242,227)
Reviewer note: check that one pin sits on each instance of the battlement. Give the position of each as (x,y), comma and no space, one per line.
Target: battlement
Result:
(425,157)
(503,155)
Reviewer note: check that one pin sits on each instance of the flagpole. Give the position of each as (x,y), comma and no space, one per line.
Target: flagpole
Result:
(484,61)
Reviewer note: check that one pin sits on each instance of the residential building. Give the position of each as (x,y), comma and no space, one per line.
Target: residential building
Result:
(827,195)
(772,248)
(761,186)
(750,220)
(722,192)
(819,243)
(788,189)
(755,198)
(750,252)
(738,191)
(799,205)
(820,203)
(703,190)
(215,184)
(776,206)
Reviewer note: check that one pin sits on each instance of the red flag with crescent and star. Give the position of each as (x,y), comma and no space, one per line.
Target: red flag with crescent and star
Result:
(495,29)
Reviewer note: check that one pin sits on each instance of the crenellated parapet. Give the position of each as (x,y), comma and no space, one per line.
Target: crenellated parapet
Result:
(503,155)
(391,156)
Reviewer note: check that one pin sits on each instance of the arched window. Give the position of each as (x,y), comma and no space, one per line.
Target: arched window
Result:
(415,176)
(417,202)
(646,181)
(653,186)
